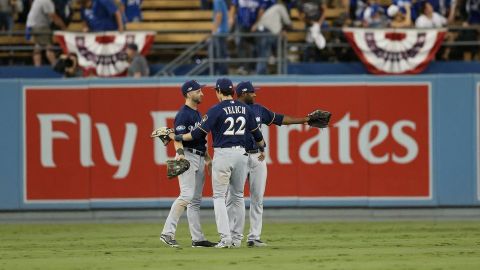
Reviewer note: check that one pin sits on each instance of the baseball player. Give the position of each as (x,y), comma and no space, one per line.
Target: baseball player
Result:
(191,182)
(228,121)
(257,166)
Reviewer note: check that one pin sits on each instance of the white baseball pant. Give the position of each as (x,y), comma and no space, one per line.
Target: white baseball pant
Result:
(191,188)
(229,173)
(257,180)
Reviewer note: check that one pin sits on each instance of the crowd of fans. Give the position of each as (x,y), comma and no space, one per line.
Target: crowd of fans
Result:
(42,17)
(270,16)
(256,16)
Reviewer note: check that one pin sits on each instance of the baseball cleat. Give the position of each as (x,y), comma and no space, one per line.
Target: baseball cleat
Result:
(204,243)
(256,243)
(224,243)
(236,243)
(169,240)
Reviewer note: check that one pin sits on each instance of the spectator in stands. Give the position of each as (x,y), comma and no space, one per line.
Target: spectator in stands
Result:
(401,18)
(312,12)
(121,8)
(268,3)
(472,10)
(342,53)
(138,64)
(412,5)
(244,14)
(86,14)
(133,10)
(220,27)
(106,16)
(445,8)
(39,18)
(273,21)
(374,16)
(8,9)
(449,10)
(64,10)
(429,18)
(355,9)
(22,15)
(67,64)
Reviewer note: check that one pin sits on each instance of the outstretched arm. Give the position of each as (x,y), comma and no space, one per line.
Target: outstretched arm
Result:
(288,120)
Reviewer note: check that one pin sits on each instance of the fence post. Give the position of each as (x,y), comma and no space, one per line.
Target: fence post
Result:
(211,56)
(285,54)
(279,54)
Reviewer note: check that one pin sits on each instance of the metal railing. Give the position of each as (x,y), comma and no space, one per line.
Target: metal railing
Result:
(205,46)
(209,62)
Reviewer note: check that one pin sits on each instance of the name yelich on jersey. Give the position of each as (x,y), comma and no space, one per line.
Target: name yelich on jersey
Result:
(234,110)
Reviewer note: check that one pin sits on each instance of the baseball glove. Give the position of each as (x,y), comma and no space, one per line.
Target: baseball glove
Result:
(319,118)
(177,167)
(162,133)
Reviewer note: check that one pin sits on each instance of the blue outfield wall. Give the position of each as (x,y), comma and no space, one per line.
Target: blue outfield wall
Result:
(314,68)
(454,140)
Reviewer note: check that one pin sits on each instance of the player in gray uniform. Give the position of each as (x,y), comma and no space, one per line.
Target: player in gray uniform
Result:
(257,166)
(228,121)
(190,182)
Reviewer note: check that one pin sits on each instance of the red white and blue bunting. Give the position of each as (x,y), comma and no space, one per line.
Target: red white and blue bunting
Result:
(395,51)
(104,54)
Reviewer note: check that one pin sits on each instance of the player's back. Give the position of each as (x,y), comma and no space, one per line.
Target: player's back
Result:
(232,119)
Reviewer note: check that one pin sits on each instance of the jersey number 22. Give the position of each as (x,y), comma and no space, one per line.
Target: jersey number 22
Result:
(231,128)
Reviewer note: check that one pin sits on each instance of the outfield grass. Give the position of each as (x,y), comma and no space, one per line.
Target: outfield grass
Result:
(349,245)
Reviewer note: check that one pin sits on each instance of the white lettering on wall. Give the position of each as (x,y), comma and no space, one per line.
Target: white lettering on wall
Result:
(404,140)
(47,135)
(283,133)
(322,141)
(125,160)
(85,140)
(344,126)
(314,150)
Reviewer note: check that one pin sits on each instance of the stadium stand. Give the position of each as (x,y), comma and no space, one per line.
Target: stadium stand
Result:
(178,24)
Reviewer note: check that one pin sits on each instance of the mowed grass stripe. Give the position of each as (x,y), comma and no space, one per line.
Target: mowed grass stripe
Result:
(349,245)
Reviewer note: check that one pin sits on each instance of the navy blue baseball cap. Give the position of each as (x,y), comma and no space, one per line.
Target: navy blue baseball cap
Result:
(224,84)
(191,85)
(245,87)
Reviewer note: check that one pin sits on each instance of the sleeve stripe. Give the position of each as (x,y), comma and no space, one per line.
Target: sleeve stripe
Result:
(273,119)
(255,128)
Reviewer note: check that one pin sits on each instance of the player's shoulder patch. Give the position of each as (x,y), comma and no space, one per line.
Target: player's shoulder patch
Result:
(180,128)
